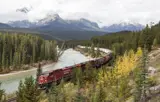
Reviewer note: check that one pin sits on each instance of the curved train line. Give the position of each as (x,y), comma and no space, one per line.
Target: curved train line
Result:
(47,78)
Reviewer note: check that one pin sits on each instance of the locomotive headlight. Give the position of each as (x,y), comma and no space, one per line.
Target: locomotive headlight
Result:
(42,79)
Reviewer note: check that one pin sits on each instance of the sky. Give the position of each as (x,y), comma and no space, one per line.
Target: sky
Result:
(104,12)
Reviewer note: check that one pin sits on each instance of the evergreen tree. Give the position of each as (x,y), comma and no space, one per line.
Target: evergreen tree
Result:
(24,56)
(92,50)
(11,57)
(28,91)
(20,93)
(2,94)
(155,43)
(32,93)
(39,71)
(141,80)
(144,76)
(34,52)
(3,57)
(98,51)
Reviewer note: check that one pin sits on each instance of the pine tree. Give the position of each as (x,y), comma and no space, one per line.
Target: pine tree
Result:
(20,93)
(34,53)
(11,59)
(39,71)
(155,43)
(92,50)
(15,59)
(144,76)
(3,58)
(24,56)
(141,80)
(31,92)
(98,51)
(19,60)
(2,94)
(42,54)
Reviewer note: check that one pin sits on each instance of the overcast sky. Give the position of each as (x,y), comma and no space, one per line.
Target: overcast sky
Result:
(104,12)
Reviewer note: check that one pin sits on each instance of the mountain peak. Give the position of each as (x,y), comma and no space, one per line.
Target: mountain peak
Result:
(49,18)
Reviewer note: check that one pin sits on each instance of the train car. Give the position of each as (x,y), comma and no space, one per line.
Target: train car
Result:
(67,73)
(47,78)
(55,75)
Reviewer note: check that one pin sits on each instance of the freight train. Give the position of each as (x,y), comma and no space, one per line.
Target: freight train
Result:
(47,78)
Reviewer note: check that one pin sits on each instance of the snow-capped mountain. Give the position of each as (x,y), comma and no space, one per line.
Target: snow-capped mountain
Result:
(84,24)
(123,27)
(50,18)
(54,21)
(22,24)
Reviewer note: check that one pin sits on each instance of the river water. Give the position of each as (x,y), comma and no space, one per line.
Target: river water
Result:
(69,57)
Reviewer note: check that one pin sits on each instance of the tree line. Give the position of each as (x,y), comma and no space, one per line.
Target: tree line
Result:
(17,50)
(119,42)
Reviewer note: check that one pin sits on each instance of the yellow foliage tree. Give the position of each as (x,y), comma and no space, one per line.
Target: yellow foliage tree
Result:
(117,79)
(125,64)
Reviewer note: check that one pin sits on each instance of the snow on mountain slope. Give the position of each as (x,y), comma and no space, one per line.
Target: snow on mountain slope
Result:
(55,22)
(123,27)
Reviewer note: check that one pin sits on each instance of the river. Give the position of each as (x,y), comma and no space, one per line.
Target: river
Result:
(70,57)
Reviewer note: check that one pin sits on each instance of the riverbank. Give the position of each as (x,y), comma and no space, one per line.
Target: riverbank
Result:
(11,75)
(84,51)
(11,69)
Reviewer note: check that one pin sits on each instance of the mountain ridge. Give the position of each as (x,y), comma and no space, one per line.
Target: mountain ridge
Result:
(55,22)
(123,26)
(3,25)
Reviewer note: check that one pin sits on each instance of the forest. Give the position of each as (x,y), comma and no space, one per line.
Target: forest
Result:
(19,50)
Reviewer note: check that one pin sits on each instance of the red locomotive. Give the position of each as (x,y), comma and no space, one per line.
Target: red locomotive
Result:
(47,78)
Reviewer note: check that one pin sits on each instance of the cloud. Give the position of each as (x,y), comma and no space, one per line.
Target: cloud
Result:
(104,12)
